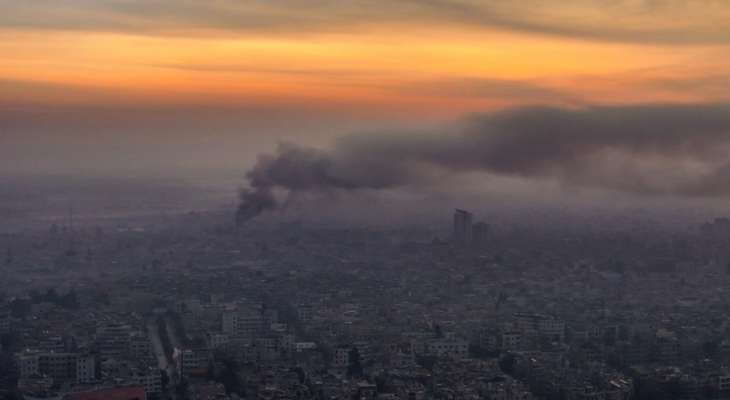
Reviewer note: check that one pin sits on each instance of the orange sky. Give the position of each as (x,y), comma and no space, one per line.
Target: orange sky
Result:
(371,55)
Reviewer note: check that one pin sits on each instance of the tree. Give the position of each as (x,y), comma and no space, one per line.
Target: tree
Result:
(182,389)
(437,331)
(164,379)
(354,368)
(69,300)
(426,361)
(507,364)
(300,374)
(382,384)
(711,348)
(229,375)
(19,308)
(8,377)
(51,296)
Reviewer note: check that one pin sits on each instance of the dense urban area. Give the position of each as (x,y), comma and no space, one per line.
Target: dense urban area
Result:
(196,308)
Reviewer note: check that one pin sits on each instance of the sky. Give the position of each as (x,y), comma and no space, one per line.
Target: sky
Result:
(181,86)
(441,57)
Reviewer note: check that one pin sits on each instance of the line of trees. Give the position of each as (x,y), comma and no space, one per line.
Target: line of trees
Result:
(21,308)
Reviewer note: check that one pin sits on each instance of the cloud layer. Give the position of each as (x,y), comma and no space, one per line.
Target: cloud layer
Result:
(644,21)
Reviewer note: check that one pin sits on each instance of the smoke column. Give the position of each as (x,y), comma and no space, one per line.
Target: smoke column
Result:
(678,150)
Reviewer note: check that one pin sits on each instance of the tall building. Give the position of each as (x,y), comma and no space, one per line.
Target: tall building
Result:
(462,227)
(480,233)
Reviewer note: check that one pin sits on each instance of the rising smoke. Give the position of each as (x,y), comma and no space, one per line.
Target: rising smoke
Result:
(679,150)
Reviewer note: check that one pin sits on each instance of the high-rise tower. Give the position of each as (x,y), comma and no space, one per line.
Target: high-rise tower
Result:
(462,227)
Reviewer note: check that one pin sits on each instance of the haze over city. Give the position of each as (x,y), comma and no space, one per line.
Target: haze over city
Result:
(364,199)
(627,96)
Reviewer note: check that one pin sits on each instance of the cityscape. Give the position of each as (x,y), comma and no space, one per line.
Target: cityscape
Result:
(364,200)
(290,311)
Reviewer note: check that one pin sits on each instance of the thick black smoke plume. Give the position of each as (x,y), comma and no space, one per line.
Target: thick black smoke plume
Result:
(662,149)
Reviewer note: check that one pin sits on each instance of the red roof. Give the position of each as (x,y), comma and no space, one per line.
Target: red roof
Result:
(122,393)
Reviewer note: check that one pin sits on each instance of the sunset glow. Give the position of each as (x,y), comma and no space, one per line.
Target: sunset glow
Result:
(386,64)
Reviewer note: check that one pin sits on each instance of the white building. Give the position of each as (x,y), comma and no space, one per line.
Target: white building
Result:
(62,367)
(303,346)
(194,361)
(28,365)
(113,340)
(242,322)
(151,380)
(511,340)
(341,358)
(553,329)
(140,347)
(85,369)
(452,348)
(216,340)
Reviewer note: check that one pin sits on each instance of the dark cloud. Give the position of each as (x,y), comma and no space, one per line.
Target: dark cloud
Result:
(660,149)
(623,21)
